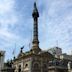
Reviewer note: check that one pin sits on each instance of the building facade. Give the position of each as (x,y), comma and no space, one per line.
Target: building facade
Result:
(32,62)
(55,51)
(7,67)
(69,66)
(2,56)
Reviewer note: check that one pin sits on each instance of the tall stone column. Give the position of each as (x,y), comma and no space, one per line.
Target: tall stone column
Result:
(35,42)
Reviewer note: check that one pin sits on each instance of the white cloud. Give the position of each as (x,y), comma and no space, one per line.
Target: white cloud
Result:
(7,17)
(7,35)
(7,13)
(55,22)
(6,6)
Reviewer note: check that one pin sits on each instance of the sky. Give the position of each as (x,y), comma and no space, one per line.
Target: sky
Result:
(16,25)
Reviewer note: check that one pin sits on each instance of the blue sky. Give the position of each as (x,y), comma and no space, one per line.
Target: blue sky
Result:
(16,25)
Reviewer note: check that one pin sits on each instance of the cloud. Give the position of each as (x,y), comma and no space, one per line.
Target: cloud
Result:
(6,6)
(7,13)
(16,24)
(55,22)
(8,19)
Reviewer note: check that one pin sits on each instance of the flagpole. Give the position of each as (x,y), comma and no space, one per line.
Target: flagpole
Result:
(57,43)
(14,51)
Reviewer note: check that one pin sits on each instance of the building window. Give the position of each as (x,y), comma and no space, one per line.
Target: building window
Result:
(26,65)
(19,69)
(45,69)
(36,67)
